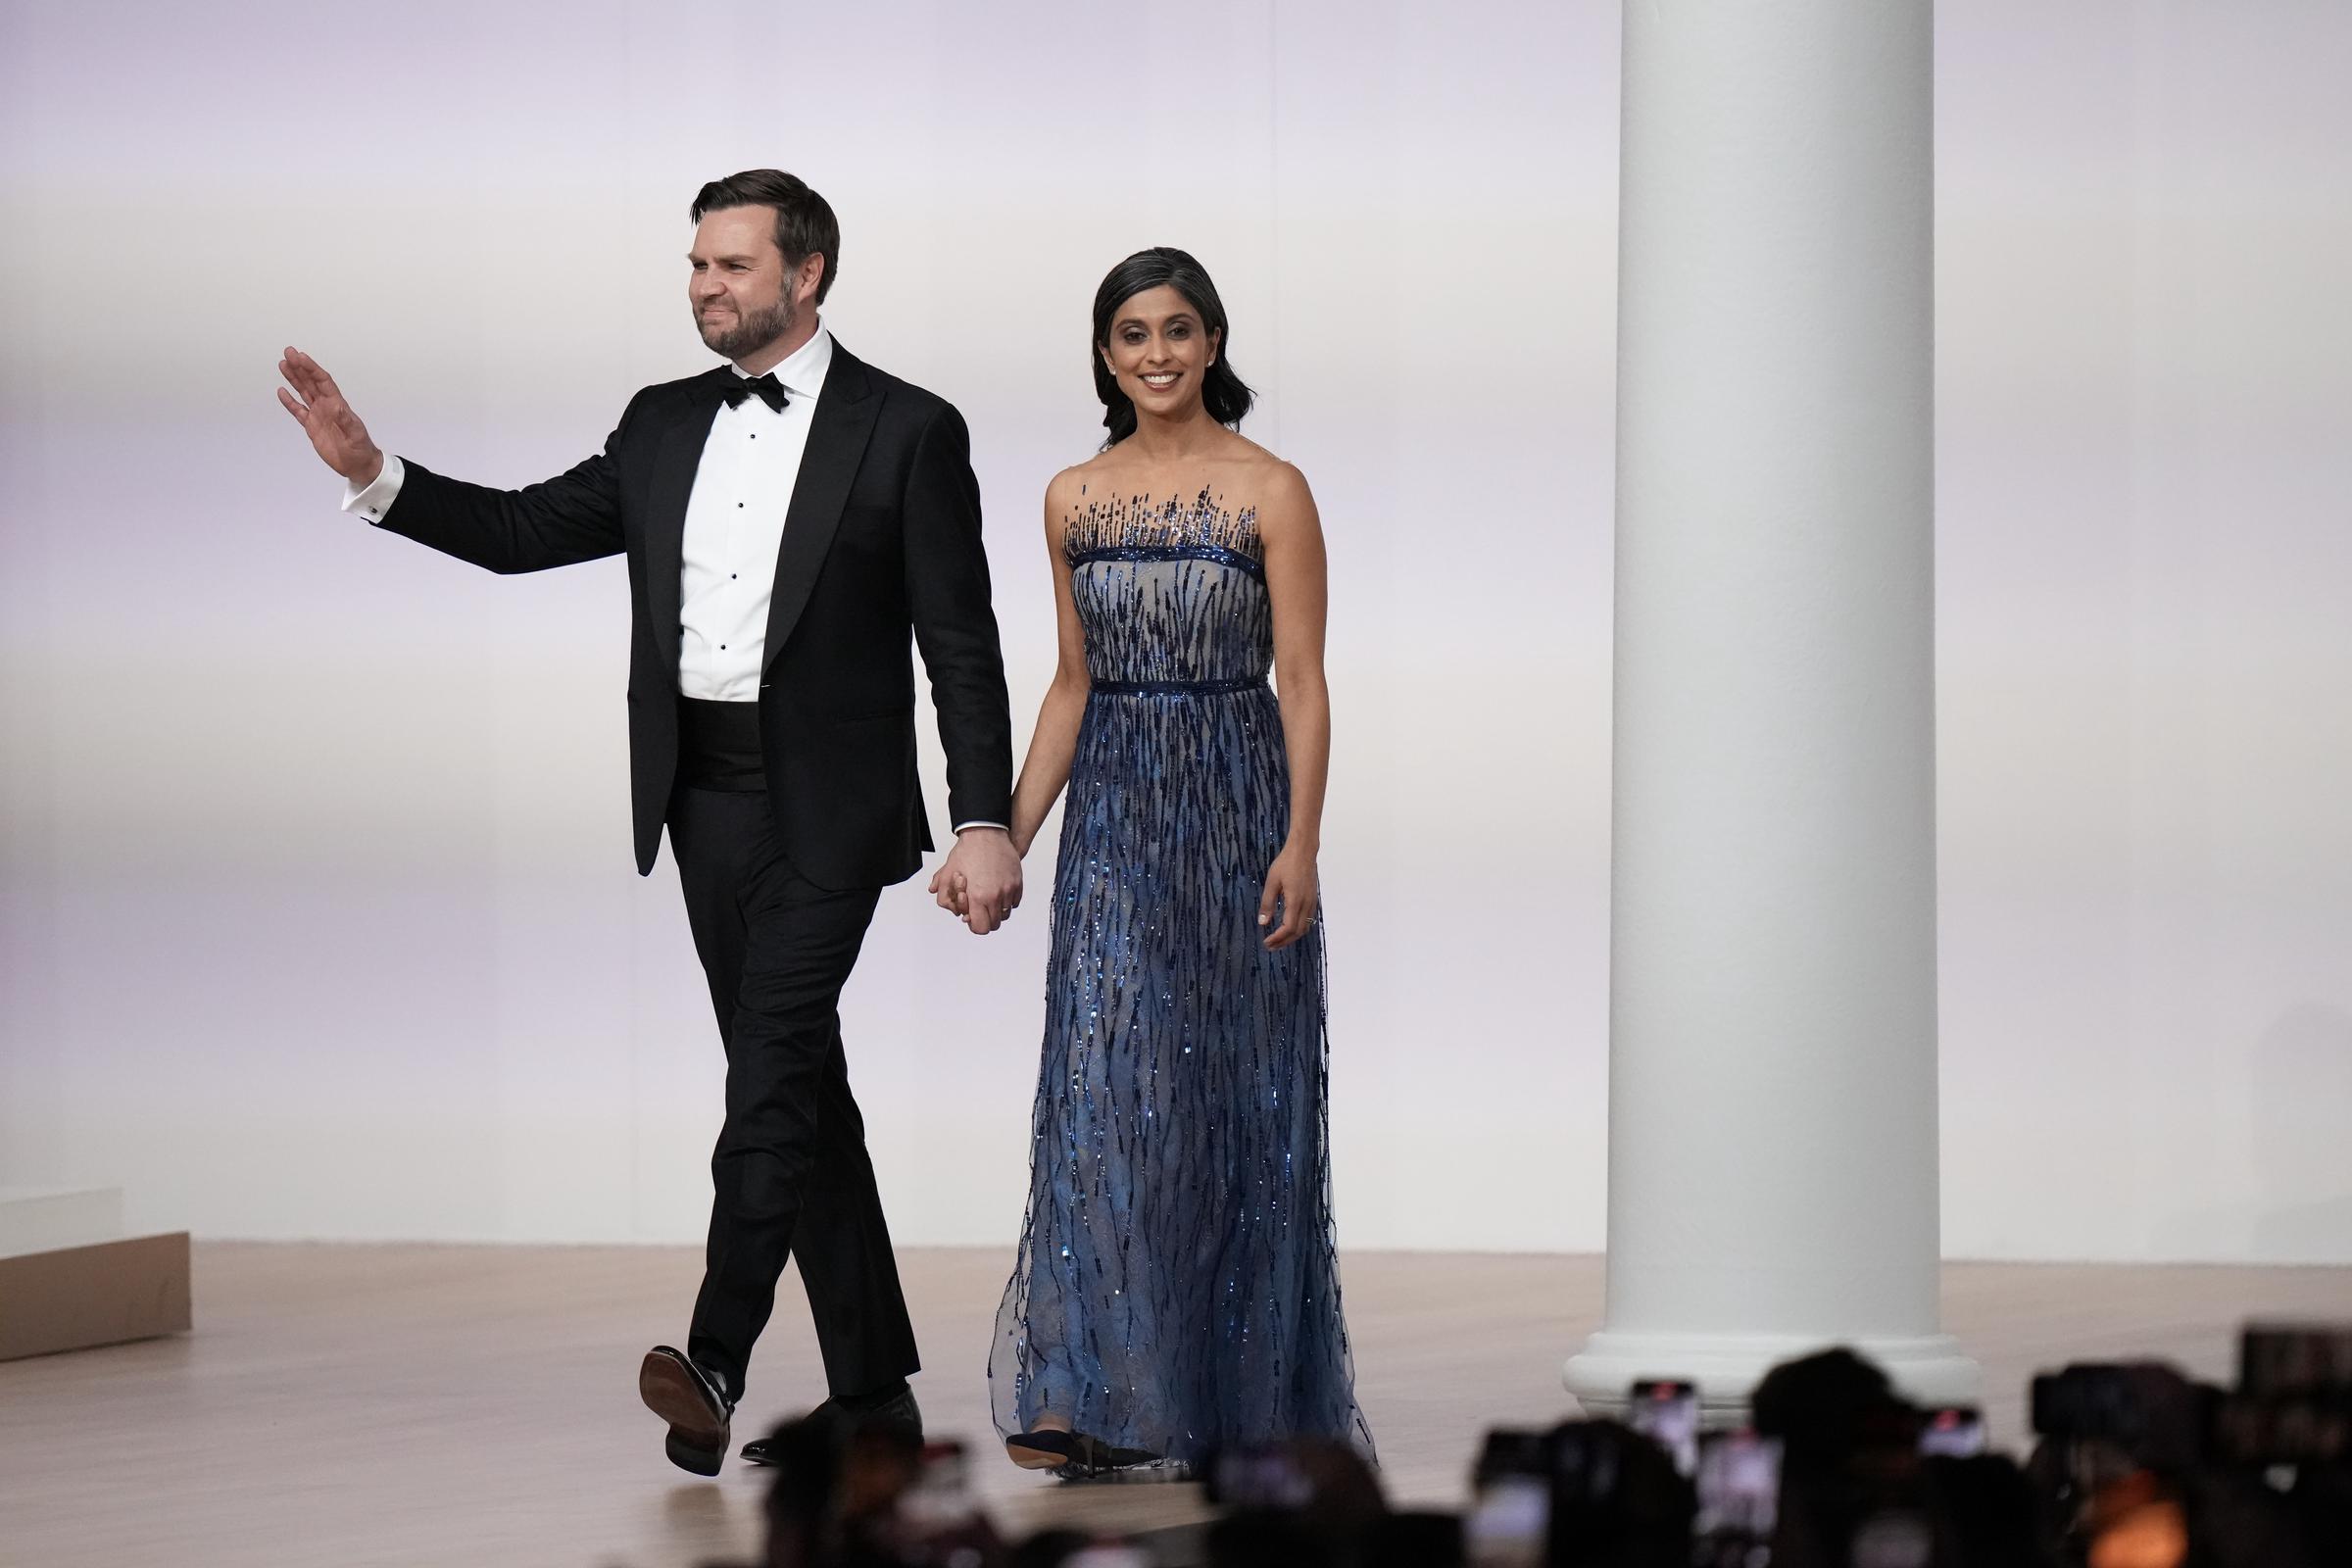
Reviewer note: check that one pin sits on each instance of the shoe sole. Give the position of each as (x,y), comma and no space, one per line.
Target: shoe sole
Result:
(696,1442)
(1029,1458)
(690,1457)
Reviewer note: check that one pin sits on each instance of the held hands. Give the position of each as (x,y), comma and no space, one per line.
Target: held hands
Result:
(980,880)
(1291,882)
(335,432)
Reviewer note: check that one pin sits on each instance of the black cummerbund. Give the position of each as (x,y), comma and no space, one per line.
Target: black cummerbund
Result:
(719,745)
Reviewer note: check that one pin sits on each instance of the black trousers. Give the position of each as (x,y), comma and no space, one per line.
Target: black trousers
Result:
(789,1176)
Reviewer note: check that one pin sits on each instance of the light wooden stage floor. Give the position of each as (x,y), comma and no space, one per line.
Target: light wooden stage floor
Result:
(410,1404)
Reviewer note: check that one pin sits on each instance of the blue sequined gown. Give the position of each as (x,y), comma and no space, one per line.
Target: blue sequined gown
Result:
(1176,1289)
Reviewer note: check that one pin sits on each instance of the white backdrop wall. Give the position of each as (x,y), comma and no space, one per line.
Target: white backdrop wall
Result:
(319,913)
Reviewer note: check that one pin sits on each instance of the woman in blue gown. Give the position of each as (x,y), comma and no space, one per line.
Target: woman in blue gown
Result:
(1176,1290)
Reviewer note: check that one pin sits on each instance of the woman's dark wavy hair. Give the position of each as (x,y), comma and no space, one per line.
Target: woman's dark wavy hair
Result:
(1225,395)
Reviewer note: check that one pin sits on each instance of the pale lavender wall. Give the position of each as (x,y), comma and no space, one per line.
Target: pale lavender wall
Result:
(319,914)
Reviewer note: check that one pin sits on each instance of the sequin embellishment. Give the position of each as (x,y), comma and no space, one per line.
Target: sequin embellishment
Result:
(1176,1288)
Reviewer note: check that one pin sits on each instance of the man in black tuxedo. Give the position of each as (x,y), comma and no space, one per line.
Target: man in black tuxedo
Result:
(790,519)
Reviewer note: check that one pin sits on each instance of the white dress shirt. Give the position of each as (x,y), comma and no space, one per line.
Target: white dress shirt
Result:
(734,526)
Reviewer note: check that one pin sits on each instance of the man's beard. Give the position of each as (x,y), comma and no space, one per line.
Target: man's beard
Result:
(750,333)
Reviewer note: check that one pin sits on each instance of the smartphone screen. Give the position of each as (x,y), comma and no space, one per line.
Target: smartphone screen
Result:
(1260,1477)
(1666,1412)
(1509,1522)
(1738,1485)
(1105,1556)
(1955,1430)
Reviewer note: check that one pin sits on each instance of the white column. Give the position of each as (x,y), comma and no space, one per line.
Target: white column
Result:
(1772,1088)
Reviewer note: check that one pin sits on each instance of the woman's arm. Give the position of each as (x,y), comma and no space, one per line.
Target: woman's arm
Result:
(1291,533)
(1045,770)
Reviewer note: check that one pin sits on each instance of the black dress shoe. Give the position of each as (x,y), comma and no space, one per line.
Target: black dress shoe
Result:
(695,1404)
(899,1414)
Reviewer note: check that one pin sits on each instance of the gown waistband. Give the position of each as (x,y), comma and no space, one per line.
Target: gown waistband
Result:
(1178,688)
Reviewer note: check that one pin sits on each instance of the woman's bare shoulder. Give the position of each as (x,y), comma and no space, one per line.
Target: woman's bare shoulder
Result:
(1077,484)
(1261,480)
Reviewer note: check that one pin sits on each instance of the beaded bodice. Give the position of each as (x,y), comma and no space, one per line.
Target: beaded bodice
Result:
(1170,591)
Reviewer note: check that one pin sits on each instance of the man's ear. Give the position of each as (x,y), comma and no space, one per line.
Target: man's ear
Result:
(811,273)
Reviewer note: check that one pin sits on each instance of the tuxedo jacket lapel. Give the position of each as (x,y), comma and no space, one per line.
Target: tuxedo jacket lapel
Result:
(837,436)
(675,461)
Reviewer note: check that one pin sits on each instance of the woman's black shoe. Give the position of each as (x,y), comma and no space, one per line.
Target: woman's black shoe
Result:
(1072,1456)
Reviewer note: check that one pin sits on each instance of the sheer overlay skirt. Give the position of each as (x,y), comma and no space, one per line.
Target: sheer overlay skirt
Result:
(1176,1288)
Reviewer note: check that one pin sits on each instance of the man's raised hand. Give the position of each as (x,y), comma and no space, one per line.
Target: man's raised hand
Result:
(335,432)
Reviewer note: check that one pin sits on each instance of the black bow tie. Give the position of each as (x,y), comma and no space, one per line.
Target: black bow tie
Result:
(766,388)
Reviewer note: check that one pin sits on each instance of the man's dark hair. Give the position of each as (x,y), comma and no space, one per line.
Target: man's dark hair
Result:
(805,224)
(1226,395)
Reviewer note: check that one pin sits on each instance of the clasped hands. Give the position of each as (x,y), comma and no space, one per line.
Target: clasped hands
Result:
(980,880)
(980,883)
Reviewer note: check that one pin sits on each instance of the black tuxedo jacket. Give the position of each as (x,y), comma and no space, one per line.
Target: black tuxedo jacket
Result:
(882,539)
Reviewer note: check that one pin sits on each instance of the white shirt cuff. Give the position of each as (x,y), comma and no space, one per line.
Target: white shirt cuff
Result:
(377,500)
(998,826)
